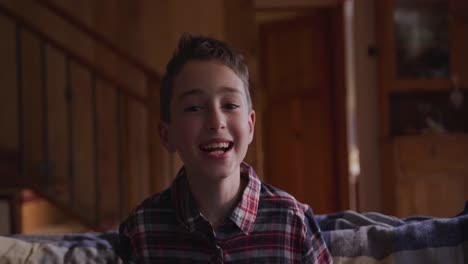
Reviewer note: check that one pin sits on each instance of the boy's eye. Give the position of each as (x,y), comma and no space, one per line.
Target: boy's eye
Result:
(231,106)
(193,108)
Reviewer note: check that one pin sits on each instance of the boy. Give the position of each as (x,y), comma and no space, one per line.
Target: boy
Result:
(216,210)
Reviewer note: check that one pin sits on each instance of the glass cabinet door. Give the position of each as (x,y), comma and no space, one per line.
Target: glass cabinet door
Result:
(421,36)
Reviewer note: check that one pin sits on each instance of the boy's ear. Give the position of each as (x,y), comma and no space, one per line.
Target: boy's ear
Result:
(251,125)
(163,128)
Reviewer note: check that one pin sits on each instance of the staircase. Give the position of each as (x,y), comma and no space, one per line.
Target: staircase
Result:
(85,138)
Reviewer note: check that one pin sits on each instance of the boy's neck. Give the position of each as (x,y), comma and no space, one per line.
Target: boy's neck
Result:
(216,199)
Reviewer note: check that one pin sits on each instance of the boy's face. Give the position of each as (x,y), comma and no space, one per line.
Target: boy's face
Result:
(211,124)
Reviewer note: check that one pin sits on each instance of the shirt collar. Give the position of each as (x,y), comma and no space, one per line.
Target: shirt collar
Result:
(243,215)
(184,203)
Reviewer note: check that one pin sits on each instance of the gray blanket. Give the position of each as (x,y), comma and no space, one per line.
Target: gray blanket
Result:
(376,238)
(351,237)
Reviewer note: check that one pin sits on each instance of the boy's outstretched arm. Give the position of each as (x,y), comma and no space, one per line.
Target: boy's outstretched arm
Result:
(315,249)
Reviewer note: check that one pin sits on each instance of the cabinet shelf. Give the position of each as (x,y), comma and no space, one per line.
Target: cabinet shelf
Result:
(423,112)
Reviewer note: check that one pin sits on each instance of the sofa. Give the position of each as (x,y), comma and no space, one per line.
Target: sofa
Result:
(351,237)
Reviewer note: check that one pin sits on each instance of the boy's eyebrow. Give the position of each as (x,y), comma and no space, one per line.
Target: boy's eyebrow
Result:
(224,89)
(189,93)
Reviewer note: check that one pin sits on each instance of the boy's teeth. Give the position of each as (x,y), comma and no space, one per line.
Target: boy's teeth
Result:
(217,152)
(216,145)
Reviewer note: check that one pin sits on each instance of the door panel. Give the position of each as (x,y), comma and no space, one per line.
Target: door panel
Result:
(300,152)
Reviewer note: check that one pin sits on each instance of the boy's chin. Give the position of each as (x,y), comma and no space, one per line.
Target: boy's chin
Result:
(219,173)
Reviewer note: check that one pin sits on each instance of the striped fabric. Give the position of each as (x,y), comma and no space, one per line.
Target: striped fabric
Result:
(267,226)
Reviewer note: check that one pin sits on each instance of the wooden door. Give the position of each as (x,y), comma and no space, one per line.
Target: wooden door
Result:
(297,61)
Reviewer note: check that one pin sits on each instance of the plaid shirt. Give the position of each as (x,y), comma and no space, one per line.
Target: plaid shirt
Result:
(267,226)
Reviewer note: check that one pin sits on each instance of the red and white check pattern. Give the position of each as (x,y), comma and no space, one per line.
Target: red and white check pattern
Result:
(267,226)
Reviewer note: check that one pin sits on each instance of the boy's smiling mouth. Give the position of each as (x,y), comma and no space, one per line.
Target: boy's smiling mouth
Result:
(217,149)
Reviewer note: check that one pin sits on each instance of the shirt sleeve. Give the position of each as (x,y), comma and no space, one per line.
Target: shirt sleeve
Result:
(315,250)
(124,248)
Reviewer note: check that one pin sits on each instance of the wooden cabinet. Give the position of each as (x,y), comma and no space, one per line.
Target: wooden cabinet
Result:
(431,174)
(424,168)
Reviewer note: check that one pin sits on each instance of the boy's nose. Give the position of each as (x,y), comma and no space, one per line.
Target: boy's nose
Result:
(216,120)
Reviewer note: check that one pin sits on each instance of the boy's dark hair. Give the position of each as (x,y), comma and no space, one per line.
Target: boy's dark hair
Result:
(200,48)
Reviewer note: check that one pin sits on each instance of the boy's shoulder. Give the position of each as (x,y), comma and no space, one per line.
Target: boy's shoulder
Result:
(274,198)
(157,203)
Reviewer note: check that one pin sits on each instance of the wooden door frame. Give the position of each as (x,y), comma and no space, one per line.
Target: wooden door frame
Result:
(338,94)
(386,72)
